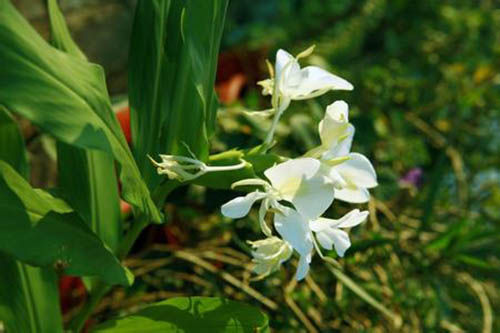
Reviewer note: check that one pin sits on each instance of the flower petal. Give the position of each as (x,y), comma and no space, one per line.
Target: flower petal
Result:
(287,72)
(303,267)
(324,240)
(339,146)
(300,182)
(340,239)
(264,207)
(353,195)
(358,170)
(315,79)
(282,59)
(240,206)
(352,219)
(294,229)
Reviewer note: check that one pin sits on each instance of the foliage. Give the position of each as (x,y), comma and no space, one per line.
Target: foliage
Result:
(426,109)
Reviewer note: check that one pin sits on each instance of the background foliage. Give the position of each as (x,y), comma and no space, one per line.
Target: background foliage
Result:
(426,109)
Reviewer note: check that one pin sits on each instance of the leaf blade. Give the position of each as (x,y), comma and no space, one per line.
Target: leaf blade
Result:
(192,314)
(43,231)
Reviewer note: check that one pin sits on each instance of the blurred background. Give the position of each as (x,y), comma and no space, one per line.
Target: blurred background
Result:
(426,107)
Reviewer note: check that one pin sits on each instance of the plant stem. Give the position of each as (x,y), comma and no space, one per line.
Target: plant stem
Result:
(130,238)
(77,322)
(101,288)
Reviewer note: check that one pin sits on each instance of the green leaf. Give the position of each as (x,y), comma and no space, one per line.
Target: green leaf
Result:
(43,231)
(192,314)
(173,58)
(12,144)
(29,298)
(66,97)
(88,182)
(86,177)
(60,36)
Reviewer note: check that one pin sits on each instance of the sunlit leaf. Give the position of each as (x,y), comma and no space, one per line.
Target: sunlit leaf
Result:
(192,314)
(66,97)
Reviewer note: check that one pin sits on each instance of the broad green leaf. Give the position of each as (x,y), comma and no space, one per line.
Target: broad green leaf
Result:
(192,314)
(173,58)
(86,177)
(66,97)
(29,298)
(12,144)
(43,231)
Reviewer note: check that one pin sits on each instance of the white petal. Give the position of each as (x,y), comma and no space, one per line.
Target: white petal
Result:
(300,182)
(352,219)
(338,111)
(303,267)
(321,224)
(287,72)
(340,240)
(315,79)
(240,206)
(282,59)
(333,175)
(294,229)
(264,207)
(358,170)
(281,174)
(353,195)
(338,145)
(324,240)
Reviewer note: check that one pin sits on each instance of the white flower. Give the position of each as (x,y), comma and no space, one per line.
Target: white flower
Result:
(329,233)
(297,181)
(351,173)
(269,254)
(294,228)
(294,83)
(184,169)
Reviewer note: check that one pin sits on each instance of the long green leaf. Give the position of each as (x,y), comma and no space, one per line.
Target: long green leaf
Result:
(29,298)
(86,177)
(192,314)
(173,57)
(44,231)
(12,144)
(66,97)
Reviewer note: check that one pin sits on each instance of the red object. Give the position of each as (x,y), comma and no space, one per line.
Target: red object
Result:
(123,116)
(229,91)
(71,292)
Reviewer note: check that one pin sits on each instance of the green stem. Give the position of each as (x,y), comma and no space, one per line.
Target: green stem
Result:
(130,238)
(101,289)
(78,322)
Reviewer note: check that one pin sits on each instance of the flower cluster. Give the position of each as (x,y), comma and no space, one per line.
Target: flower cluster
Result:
(298,191)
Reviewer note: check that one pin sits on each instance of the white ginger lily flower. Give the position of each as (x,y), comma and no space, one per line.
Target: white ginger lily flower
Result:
(297,230)
(294,83)
(297,181)
(294,228)
(352,173)
(184,168)
(268,255)
(329,232)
